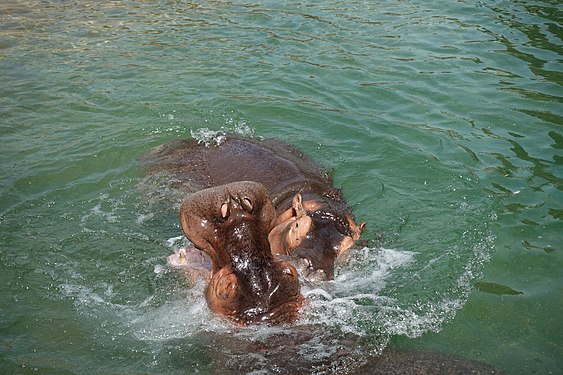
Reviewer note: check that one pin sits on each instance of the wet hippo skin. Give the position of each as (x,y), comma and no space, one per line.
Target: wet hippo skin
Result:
(230,223)
(314,222)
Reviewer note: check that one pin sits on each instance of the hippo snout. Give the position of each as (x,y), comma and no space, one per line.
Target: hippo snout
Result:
(231,224)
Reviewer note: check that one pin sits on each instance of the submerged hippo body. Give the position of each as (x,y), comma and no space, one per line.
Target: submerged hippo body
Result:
(230,223)
(313,222)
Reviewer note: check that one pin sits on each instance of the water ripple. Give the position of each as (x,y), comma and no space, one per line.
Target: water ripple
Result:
(440,120)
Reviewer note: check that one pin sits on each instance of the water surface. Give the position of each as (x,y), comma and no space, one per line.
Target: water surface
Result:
(440,120)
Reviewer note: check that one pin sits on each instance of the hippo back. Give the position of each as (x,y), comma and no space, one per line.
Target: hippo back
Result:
(281,168)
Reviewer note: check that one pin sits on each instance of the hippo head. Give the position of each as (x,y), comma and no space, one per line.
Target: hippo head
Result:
(231,224)
(316,231)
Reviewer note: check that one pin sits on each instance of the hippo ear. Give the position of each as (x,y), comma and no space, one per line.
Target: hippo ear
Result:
(355,229)
(355,233)
(225,210)
(285,237)
(297,205)
(295,210)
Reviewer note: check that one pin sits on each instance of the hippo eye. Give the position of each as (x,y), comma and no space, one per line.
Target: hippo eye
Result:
(225,210)
(247,204)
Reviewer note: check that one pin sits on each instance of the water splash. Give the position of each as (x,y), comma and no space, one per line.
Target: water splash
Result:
(215,137)
(208,137)
(377,294)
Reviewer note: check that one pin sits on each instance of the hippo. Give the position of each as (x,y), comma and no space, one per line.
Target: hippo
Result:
(314,224)
(254,204)
(230,223)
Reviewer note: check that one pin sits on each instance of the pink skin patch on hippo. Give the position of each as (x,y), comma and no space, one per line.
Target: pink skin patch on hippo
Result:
(285,237)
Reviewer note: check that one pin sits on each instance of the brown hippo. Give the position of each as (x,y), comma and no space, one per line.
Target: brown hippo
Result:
(247,284)
(313,222)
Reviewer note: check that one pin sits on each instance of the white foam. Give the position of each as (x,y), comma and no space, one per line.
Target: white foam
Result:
(354,301)
(208,137)
(215,137)
(370,268)
(97,211)
(81,294)
(141,218)
(175,319)
(353,298)
(172,241)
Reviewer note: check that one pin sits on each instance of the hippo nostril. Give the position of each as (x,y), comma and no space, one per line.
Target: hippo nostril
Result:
(246,204)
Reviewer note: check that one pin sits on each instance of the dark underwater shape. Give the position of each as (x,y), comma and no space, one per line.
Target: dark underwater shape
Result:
(284,352)
(495,288)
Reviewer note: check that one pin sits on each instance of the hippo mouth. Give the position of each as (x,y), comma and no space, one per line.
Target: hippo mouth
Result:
(277,304)
(285,313)
(317,254)
(189,257)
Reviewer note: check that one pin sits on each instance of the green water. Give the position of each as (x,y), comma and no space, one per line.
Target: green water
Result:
(440,120)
